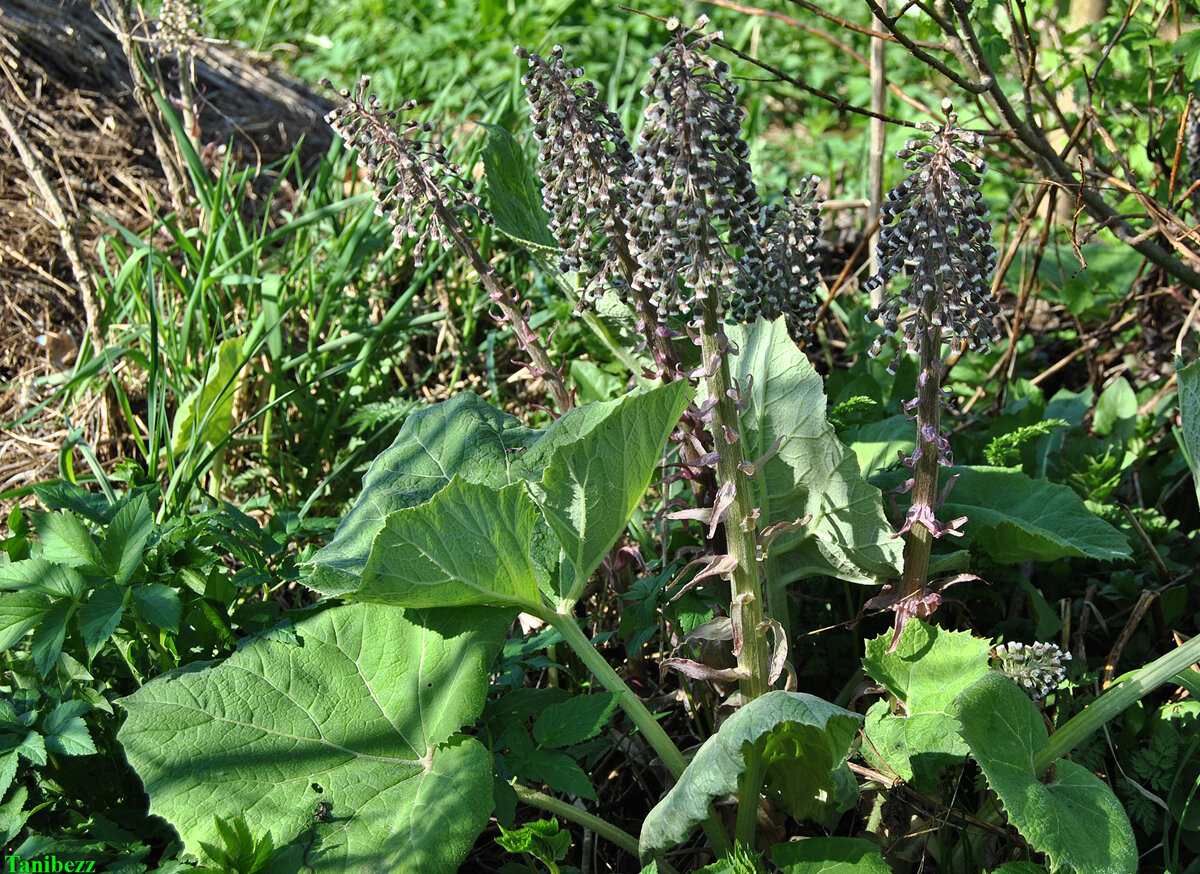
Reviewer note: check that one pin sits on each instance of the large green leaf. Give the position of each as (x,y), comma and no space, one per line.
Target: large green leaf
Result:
(464,436)
(592,483)
(1189,416)
(468,438)
(816,735)
(468,545)
(206,415)
(927,670)
(361,715)
(1074,818)
(1015,518)
(813,473)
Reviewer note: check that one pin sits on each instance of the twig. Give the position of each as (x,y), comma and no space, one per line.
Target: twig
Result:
(829,38)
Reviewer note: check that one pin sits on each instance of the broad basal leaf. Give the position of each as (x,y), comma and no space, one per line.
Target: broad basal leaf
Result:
(464,436)
(362,716)
(1074,817)
(813,473)
(1016,518)
(468,545)
(592,483)
(816,733)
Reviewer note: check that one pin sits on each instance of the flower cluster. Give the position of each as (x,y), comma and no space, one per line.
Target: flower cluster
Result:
(1038,669)
(177,29)
(691,177)
(935,221)
(416,185)
(584,159)
(786,262)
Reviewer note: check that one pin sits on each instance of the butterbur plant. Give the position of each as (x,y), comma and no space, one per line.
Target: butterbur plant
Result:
(423,194)
(934,226)
(369,703)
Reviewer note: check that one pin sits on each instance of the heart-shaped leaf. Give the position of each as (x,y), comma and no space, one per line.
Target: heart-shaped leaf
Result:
(361,716)
(1074,818)
(468,545)
(813,474)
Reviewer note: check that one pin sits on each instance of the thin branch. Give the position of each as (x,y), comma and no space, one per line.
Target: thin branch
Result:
(816,92)
(865,31)
(832,40)
(920,54)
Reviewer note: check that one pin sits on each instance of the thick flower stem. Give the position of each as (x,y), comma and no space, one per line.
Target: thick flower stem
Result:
(925,471)
(508,307)
(740,524)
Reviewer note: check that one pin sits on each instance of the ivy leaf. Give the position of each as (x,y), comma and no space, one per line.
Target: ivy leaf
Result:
(368,706)
(1075,819)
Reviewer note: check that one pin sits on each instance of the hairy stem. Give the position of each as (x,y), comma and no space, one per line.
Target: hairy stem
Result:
(925,472)
(740,524)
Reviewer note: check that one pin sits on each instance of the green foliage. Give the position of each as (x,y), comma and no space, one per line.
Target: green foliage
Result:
(286,345)
(541,839)
(806,741)
(331,711)
(916,735)
(1074,817)
(829,856)
(1005,449)
(239,852)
